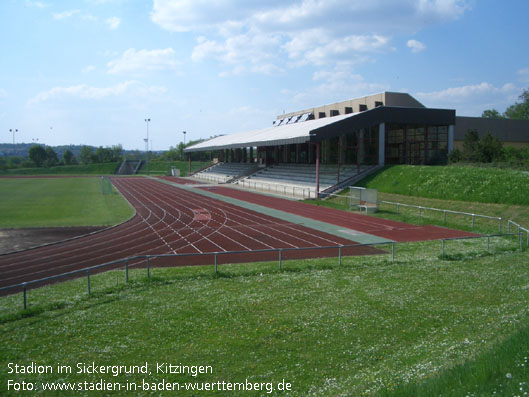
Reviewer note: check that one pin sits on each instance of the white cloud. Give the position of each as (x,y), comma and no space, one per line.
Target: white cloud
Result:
(471,99)
(255,51)
(86,92)
(133,61)
(36,4)
(88,69)
(314,32)
(416,46)
(317,47)
(524,75)
(65,14)
(113,23)
(330,85)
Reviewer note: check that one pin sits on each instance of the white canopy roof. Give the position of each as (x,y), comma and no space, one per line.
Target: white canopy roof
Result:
(273,136)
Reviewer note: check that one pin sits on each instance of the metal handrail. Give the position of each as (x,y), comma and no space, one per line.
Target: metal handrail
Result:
(421,208)
(280,252)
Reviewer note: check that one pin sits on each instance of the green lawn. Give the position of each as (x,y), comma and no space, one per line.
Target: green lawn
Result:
(157,167)
(50,202)
(367,327)
(464,183)
(80,169)
(423,325)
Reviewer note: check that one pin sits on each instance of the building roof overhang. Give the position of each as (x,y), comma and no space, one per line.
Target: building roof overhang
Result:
(325,128)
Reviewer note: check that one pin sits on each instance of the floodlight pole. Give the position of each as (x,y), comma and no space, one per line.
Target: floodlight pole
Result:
(147,144)
(13,131)
(183,132)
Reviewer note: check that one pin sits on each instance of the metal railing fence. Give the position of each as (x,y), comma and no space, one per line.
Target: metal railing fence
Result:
(279,254)
(422,209)
(521,230)
(212,178)
(286,190)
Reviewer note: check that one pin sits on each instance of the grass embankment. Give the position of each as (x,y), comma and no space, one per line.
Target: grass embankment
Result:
(396,184)
(359,328)
(463,183)
(157,167)
(81,169)
(50,202)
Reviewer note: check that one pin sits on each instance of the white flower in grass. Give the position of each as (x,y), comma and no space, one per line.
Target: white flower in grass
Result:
(508,375)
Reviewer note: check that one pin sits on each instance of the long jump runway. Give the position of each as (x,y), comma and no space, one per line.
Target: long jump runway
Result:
(170,220)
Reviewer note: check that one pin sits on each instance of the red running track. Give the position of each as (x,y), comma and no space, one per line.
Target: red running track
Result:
(170,220)
(392,230)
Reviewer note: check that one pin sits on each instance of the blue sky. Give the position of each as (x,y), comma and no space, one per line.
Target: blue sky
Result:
(91,71)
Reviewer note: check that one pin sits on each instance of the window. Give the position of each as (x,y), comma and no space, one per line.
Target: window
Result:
(363,108)
(321,115)
(348,110)
(378,103)
(334,112)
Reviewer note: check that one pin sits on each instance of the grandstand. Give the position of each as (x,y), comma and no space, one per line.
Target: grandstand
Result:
(226,172)
(325,148)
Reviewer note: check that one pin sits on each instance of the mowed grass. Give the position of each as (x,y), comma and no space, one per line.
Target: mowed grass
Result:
(54,202)
(158,167)
(367,327)
(463,183)
(79,169)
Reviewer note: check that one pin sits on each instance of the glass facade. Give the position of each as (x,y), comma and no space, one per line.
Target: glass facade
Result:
(416,144)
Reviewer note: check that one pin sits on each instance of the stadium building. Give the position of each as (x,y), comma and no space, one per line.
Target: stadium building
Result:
(341,142)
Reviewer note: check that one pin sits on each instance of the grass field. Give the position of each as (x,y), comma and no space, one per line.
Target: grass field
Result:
(81,169)
(464,183)
(367,327)
(157,167)
(422,325)
(52,202)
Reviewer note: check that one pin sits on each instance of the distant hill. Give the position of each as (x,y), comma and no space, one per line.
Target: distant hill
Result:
(21,149)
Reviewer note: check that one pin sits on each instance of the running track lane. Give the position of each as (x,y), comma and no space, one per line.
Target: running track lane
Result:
(393,230)
(169,220)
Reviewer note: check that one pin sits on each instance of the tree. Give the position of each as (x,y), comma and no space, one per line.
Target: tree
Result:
(103,155)
(471,146)
(520,110)
(492,114)
(455,156)
(117,153)
(37,154)
(86,155)
(68,158)
(51,157)
(490,149)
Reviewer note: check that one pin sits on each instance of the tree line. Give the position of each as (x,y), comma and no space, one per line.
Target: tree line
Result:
(45,156)
(489,149)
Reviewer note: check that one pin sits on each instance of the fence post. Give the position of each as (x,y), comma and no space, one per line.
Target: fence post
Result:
(488,242)
(88,280)
(397,208)
(25,297)
(520,238)
(280,259)
(472,221)
(444,216)
(500,224)
(127,270)
(215,263)
(340,255)
(443,252)
(420,212)
(148,267)
(393,251)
